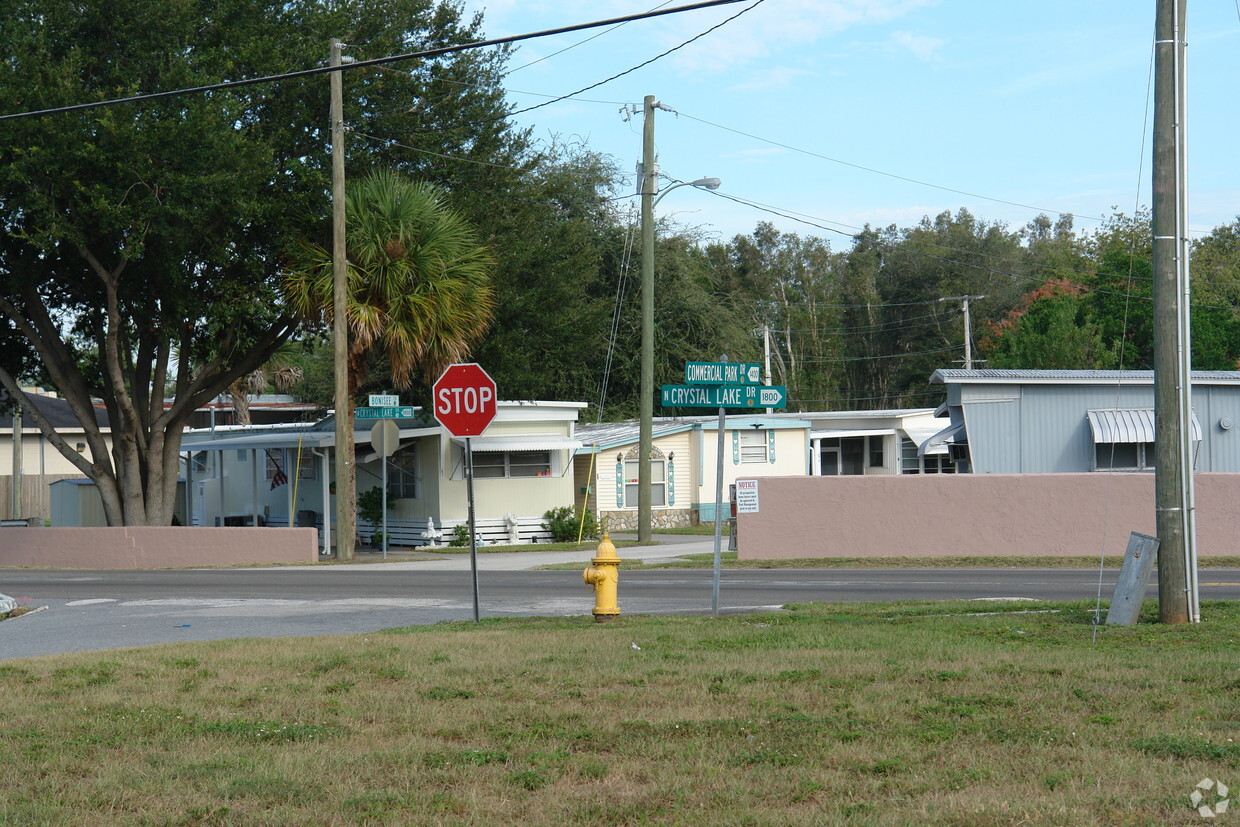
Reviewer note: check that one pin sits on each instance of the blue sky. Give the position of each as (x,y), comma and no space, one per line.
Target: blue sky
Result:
(852,109)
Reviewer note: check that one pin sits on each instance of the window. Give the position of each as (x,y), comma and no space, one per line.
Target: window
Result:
(283,458)
(403,473)
(842,455)
(499,464)
(200,463)
(910,463)
(752,445)
(1124,456)
(876,451)
(658,483)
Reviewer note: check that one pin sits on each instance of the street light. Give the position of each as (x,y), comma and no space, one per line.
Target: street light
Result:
(646,425)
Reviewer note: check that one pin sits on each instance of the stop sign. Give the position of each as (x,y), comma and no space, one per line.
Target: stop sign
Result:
(464,398)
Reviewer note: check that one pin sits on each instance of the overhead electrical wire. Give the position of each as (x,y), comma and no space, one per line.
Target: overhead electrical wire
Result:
(361,64)
(659,56)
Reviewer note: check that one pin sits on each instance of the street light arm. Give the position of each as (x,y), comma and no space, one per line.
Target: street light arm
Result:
(701,183)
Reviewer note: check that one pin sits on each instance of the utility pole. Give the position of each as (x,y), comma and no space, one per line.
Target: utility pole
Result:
(1173,471)
(766,349)
(968,328)
(645,442)
(346,483)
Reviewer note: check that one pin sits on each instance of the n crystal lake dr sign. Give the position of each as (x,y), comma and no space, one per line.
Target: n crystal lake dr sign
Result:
(724,396)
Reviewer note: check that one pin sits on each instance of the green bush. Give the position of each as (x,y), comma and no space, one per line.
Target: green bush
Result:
(564,523)
(460,537)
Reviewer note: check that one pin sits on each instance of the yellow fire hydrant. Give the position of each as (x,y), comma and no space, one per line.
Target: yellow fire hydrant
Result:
(604,576)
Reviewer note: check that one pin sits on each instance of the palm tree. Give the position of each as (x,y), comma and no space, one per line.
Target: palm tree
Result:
(418,280)
(284,376)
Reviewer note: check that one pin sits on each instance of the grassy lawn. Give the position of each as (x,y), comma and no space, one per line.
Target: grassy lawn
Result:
(911,713)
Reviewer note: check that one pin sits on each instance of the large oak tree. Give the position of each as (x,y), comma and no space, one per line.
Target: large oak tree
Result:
(141,244)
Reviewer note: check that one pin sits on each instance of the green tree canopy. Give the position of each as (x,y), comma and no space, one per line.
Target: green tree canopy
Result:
(142,239)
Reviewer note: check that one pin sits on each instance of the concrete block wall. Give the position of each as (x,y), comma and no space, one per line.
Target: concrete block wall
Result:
(154,547)
(1018,515)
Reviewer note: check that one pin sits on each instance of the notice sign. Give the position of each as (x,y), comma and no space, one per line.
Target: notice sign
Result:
(746,496)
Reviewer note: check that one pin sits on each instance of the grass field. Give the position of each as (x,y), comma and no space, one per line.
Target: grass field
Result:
(944,714)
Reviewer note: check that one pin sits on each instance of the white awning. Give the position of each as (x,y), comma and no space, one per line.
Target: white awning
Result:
(843,432)
(521,442)
(937,444)
(1127,425)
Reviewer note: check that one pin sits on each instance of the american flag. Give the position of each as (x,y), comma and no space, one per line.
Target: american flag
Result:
(279,477)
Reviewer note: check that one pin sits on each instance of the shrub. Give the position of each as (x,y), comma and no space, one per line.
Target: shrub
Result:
(564,523)
(460,537)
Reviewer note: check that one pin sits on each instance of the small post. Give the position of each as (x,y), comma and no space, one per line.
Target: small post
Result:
(473,540)
(714,586)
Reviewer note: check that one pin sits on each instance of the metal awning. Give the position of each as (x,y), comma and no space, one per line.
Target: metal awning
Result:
(937,444)
(521,442)
(843,432)
(260,440)
(1127,425)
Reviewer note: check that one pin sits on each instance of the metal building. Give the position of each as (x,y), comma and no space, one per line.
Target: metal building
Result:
(1066,421)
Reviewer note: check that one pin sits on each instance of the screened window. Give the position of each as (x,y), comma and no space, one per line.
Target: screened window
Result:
(752,446)
(658,483)
(403,473)
(499,464)
(876,451)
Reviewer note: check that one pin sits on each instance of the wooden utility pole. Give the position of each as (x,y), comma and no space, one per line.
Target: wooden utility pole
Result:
(645,441)
(346,482)
(1173,471)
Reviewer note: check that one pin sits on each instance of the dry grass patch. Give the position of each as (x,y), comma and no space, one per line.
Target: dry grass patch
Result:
(868,714)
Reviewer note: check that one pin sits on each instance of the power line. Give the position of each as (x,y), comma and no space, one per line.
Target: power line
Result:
(885,174)
(427,53)
(698,36)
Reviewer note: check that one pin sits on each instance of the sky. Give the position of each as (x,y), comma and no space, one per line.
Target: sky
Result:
(855,112)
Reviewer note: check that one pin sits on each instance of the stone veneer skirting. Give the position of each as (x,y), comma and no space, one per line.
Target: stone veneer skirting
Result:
(659,518)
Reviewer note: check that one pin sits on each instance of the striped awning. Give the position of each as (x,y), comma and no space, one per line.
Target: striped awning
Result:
(1127,425)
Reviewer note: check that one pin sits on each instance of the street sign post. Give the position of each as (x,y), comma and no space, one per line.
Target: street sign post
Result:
(385,439)
(465,404)
(406,412)
(723,373)
(724,396)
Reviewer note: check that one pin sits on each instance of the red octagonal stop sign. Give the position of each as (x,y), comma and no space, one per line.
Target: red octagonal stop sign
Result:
(464,398)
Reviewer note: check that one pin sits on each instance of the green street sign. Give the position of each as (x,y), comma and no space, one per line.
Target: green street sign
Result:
(385,413)
(724,396)
(723,373)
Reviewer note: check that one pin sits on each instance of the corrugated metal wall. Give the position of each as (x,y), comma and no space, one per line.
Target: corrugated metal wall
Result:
(1045,430)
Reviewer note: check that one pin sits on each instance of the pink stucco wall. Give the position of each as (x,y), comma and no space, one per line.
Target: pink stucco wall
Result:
(1019,515)
(158,547)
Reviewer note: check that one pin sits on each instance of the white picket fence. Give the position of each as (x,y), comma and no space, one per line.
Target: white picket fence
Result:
(415,533)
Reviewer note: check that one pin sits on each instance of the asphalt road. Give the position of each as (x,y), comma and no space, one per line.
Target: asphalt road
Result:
(98,610)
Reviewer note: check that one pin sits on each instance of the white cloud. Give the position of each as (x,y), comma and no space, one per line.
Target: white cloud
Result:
(921,46)
(774,27)
(776,77)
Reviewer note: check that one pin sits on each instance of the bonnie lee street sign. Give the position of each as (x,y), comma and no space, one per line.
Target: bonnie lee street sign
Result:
(464,399)
(723,373)
(407,412)
(384,400)
(724,396)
